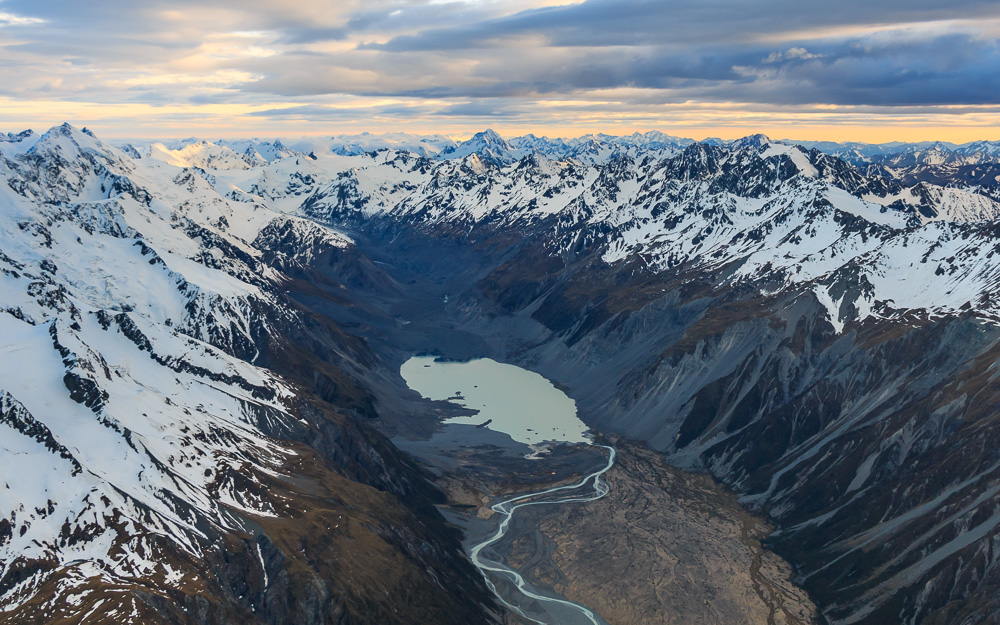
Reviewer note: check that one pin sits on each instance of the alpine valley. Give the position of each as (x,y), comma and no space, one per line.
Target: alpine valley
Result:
(794,349)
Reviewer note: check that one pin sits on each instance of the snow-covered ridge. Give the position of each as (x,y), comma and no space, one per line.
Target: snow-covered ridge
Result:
(588,149)
(488,145)
(223,154)
(776,213)
(904,154)
(775,210)
(130,407)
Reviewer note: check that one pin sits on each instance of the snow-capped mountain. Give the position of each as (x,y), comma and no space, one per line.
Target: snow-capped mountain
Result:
(801,326)
(145,448)
(486,145)
(897,154)
(777,212)
(819,332)
(203,154)
(585,150)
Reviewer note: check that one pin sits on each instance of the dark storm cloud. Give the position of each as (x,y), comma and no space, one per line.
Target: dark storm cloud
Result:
(945,70)
(733,50)
(952,68)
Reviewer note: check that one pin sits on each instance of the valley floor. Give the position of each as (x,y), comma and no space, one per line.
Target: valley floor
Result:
(664,546)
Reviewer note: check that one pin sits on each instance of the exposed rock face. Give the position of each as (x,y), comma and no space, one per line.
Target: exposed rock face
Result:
(870,448)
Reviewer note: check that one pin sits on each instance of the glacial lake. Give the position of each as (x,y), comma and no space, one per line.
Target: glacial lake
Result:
(515,401)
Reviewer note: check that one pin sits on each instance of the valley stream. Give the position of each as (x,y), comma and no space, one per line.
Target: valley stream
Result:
(528,601)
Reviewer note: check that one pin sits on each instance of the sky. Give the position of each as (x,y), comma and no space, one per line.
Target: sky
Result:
(859,70)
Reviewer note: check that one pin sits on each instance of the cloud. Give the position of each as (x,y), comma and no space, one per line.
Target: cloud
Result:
(791,54)
(310,112)
(305,112)
(603,23)
(10,19)
(612,60)
(479,109)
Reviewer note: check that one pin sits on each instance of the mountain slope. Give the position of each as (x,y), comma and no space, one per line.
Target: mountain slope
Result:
(153,470)
(815,334)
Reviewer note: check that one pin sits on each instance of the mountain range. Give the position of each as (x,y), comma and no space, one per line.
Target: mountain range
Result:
(201,345)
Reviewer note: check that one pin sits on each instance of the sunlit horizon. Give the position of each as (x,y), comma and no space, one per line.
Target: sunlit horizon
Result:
(213,130)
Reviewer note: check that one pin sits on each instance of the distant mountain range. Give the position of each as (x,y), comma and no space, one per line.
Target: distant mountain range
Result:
(908,161)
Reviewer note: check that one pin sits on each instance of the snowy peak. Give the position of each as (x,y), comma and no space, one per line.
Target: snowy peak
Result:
(489,138)
(766,148)
(903,156)
(12,144)
(798,157)
(68,140)
(652,139)
(759,142)
(487,145)
(541,145)
(259,152)
(219,155)
(11,137)
(204,155)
